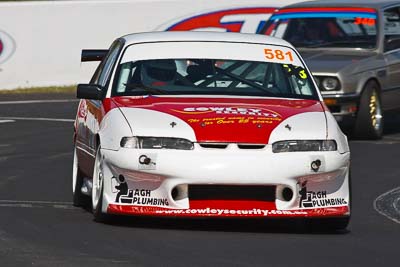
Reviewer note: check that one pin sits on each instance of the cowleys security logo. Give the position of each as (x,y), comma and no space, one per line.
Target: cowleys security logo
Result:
(245,20)
(7,46)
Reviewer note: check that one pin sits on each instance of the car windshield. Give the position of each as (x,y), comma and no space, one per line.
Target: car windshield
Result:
(325,27)
(212,68)
(213,77)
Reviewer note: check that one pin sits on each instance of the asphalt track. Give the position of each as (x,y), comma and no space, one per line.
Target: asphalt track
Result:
(39,226)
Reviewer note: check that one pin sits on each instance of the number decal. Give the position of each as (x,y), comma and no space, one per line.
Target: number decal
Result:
(364,21)
(269,54)
(299,72)
(277,54)
(302,74)
(289,54)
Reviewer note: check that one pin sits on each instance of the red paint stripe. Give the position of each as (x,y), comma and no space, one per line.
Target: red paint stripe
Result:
(238,128)
(327,9)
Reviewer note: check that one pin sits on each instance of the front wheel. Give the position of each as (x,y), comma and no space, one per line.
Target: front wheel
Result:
(78,198)
(369,122)
(97,190)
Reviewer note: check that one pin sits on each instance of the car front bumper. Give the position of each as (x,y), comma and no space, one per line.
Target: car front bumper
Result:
(165,186)
(342,105)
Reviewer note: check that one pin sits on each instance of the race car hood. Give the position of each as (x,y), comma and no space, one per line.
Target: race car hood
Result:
(325,61)
(223,120)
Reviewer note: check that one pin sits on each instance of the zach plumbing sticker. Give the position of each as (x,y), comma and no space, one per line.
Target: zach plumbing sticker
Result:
(7,46)
(135,196)
(316,199)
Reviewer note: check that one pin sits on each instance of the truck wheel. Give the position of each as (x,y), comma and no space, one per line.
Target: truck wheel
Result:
(369,121)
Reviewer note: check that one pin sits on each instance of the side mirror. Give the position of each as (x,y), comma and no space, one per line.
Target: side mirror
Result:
(89,91)
(93,54)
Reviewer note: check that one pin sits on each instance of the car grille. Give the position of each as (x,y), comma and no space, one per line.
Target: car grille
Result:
(232,192)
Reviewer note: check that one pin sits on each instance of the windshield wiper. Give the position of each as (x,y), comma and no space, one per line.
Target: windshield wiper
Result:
(150,90)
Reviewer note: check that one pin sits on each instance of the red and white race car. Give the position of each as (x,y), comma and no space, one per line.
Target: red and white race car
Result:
(209,125)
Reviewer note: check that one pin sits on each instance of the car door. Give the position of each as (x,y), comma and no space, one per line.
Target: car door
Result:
(91,112)
(391,27)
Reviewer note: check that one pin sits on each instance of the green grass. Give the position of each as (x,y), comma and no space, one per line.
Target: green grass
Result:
(41,90)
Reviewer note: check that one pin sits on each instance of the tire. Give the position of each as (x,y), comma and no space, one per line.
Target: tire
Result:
(97,190)
(369,121)
(78,198)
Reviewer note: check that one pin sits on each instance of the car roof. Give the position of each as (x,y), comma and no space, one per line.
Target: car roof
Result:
(376,4)
(198,36)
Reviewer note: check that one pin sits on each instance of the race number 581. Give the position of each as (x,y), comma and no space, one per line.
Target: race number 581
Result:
(278,54)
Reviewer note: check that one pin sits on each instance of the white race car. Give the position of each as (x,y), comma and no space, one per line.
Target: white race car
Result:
(201,124)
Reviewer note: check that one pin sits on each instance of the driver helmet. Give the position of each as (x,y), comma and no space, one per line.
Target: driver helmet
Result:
(158,72)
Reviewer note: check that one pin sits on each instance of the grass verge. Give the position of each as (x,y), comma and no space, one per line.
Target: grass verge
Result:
(41,90)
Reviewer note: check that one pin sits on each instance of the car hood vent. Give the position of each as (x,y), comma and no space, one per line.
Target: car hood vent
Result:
(250,146)
(214,145)
(225,145)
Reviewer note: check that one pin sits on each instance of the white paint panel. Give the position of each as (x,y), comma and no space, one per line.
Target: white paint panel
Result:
(304,126)
(334,132)
(112,128)
(211,50)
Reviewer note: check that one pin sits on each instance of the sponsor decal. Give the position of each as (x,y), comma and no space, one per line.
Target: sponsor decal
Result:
(231,212)
(237,115)
(232,120)
(136,196)
(226,212)
(82,112)
(230,111)
(7,46)
(318,199)
(247,20)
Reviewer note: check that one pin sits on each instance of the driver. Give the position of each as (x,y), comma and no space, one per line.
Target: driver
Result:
(159,72)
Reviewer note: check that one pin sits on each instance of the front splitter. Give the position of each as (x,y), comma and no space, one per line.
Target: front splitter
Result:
(228,208)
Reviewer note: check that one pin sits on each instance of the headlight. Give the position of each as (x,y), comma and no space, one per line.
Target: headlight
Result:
(156,143)
(329,84)
(304,145)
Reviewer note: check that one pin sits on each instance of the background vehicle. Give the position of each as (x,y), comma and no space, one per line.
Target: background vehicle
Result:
(353,51)
(205,124)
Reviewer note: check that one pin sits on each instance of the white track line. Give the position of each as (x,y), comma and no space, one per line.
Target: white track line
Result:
(392,206)
(36,119)
(5,121)
(35,204)
(37,101)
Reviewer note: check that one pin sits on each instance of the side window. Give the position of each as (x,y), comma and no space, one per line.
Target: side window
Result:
(391,20)
(104,70)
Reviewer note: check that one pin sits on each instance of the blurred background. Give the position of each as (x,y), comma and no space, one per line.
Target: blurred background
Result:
(41,41)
